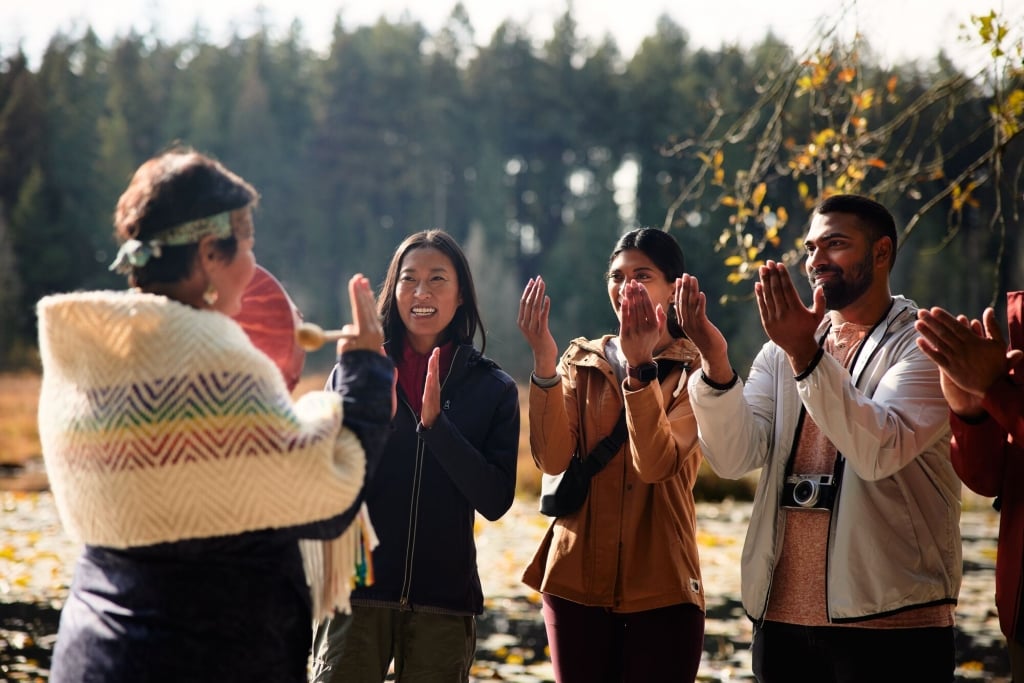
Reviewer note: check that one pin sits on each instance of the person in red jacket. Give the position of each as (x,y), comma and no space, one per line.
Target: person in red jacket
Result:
(984,386)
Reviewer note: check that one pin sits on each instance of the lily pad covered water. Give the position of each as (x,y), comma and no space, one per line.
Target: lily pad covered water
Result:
(36,560)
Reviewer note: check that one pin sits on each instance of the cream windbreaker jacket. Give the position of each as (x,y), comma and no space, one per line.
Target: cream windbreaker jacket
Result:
(894,536)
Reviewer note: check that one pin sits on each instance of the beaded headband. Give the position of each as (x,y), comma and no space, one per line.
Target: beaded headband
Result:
(135,253)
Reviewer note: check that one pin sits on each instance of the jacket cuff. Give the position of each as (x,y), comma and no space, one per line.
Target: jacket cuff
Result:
(810,366)
(545,382)
(721,387)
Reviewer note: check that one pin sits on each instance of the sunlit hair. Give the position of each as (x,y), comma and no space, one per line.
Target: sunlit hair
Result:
(172,188)
(877,219)
(466,322)
(665,253)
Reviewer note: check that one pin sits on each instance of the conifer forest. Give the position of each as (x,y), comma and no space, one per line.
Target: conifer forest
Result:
(534,155)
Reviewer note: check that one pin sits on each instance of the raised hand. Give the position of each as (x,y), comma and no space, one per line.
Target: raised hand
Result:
(692,312)
(432,390)
(365,331)
(785,319)
(534,308)
(971,354)
(642,325)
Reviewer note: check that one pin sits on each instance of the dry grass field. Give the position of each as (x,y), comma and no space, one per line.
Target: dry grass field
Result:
(19,432)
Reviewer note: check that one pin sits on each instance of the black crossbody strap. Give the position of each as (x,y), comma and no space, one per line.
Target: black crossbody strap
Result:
(607,448)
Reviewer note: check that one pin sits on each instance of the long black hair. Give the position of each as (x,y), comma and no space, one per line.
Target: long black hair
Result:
(466,322)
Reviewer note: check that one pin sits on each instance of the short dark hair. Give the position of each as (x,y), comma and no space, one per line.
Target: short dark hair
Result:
(876,218)
(664,251)
(466,322)
(172,188)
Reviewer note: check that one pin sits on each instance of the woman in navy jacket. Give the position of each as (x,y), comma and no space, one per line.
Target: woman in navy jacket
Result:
(452,453)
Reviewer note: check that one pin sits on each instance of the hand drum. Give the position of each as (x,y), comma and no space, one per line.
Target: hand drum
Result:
(270,318)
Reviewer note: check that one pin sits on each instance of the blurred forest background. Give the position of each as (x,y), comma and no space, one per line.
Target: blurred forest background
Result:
(535,156)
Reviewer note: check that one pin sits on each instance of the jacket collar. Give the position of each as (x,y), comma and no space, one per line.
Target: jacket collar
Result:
(680,351)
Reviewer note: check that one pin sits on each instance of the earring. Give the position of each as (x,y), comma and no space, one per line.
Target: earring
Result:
(210,295)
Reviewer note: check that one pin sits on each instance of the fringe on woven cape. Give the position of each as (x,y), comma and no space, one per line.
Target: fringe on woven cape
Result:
(335,567)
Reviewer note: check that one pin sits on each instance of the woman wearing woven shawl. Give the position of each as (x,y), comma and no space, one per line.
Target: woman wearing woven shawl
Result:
(452,454)
(215,511)
(620,577)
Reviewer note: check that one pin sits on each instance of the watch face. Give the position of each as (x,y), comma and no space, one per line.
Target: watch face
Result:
(645,373)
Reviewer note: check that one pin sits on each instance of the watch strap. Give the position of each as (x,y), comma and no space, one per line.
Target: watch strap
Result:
(647,372)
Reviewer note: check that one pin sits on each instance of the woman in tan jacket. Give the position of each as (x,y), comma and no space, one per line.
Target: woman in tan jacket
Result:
(623,599)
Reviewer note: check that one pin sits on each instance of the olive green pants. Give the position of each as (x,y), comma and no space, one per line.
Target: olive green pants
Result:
(426,648)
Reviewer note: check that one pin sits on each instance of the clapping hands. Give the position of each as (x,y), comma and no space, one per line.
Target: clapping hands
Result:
(971,355)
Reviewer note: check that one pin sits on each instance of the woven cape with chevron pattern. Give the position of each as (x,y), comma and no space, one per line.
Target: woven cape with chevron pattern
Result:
(162,423)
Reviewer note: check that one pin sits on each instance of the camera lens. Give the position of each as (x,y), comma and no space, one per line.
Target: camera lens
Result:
(805,493)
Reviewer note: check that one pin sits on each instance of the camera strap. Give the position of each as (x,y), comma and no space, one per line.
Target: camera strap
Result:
(839,464)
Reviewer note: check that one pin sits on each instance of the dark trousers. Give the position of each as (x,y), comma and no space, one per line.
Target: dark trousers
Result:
(1016,653)
(787,653)
(594,645)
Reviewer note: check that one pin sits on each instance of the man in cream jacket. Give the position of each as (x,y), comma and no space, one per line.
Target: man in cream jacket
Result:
(853,554)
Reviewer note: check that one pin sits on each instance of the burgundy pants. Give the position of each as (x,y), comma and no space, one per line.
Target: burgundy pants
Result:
(595,645)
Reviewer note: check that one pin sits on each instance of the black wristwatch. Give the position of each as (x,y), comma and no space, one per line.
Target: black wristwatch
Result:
(648,372)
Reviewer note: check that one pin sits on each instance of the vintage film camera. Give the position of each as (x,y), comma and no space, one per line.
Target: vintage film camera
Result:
(809,491)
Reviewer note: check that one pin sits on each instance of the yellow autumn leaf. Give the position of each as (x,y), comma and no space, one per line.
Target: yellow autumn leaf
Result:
(719,176)
(704,539)
(783,216)
(865,99)
(719,158)
(753,253)
(820,75)
(803,190)
(758,196)
(824,137)
(734,278)
(1015,101)
(733,261)
(728,200)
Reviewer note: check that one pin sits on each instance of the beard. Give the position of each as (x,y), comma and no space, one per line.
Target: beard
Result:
(847,288)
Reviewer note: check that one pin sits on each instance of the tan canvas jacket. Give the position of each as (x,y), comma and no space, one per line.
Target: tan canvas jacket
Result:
(632,546)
